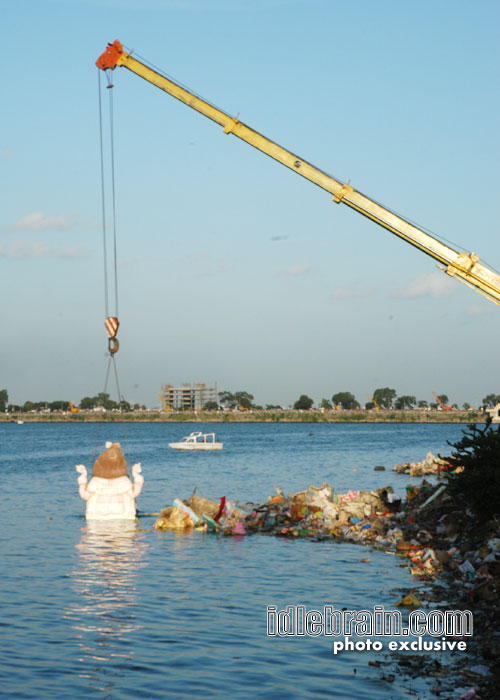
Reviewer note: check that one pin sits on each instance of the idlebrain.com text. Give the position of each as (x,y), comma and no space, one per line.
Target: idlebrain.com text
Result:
(447,625)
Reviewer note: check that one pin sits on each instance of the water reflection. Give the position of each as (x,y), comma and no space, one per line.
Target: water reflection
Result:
(111,554)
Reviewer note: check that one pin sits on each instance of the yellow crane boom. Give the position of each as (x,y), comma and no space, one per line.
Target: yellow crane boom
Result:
(464,266)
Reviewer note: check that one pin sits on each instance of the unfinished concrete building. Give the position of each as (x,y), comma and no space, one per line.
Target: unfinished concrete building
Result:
(187,397)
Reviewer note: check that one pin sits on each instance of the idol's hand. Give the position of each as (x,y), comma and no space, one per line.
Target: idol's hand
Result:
(82,479)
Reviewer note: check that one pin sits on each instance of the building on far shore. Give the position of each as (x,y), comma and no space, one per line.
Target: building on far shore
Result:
(494,413)
(187,397)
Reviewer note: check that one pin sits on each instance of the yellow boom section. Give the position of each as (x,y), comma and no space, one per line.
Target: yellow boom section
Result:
(464,266)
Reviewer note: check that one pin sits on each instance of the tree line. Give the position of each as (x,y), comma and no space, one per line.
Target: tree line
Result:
(382,398)
(101,400)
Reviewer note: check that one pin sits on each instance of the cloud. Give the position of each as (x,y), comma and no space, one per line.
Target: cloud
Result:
(296,270)
(36,250)
(436,285)
(279,238)
(38,221)
(355,290)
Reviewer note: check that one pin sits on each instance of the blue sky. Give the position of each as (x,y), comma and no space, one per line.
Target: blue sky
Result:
(231,268)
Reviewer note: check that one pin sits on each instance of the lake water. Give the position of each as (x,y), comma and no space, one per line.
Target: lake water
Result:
(91,612)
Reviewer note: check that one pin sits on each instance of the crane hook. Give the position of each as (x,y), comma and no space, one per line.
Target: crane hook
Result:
(113,345)
(112,324)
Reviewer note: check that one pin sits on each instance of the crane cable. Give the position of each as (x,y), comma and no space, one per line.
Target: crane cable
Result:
(109,326)
(111,323)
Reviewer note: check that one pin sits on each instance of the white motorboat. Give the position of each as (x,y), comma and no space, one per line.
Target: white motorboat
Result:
(197,441)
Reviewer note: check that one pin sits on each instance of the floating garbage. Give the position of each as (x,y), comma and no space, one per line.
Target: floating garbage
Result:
(174,518)
(316,512)
(429,465)
(200,513)
(409,601)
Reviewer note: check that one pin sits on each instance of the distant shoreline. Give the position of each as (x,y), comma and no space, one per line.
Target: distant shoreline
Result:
(255,416)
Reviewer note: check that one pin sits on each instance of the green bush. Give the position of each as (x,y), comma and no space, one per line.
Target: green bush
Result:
(478,485)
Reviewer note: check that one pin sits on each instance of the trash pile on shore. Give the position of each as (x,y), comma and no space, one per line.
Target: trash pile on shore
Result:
(435,536)
(429,465)
(437,531)
(427,529)
(444,539)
